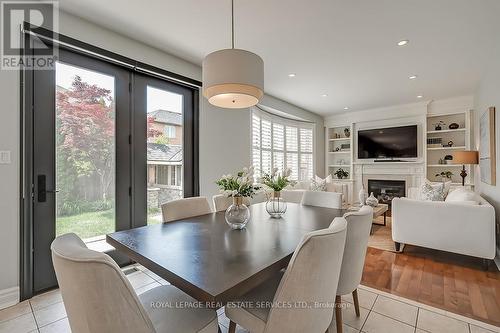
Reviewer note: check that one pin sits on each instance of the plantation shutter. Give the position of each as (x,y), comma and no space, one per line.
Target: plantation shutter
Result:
(306,153)
(281,143)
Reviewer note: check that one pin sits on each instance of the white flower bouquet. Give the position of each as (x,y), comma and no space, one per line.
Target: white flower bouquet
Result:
(277,181)
(241,185)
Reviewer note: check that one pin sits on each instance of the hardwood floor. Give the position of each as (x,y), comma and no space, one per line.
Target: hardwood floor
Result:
(448,281)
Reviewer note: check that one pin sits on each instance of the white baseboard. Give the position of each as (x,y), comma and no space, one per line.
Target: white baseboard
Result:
(9,297)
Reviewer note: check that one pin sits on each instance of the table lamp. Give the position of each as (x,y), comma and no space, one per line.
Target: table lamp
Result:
(465,157)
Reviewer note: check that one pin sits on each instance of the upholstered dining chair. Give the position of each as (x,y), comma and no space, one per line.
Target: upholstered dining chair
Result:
(322,199)
(184,208)
(99,298)
(222,202)
(358,231)
(314,266)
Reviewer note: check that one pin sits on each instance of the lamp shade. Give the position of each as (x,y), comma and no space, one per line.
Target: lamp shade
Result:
(233,78)
(466,157)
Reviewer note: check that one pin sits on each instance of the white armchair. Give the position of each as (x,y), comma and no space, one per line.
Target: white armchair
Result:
(456,227)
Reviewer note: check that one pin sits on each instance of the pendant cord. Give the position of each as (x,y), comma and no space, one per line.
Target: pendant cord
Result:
(232,24)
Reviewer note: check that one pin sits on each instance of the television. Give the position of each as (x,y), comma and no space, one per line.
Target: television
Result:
(388,143)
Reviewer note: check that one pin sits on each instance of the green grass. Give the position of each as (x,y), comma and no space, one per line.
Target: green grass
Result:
(87,225)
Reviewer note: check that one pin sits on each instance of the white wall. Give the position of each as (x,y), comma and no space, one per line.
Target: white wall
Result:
(224,134)
(488,94)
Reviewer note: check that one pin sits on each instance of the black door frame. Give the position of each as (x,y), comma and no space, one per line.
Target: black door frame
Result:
(191,136)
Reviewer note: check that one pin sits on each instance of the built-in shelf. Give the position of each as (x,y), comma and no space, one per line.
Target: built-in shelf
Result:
(339,166)
(444,165)
(341,139)
(447,148)
(461,141)
(340,152)
(447,131)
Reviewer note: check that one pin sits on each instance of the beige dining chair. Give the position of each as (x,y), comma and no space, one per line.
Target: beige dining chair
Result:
(302,296)
(358,231)
(222,202)
(322,199)
(185,208)
(98,297)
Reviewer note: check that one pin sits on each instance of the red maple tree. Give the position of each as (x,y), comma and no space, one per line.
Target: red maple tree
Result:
(87,129)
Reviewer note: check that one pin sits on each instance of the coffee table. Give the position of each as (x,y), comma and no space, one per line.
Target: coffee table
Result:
(380,209)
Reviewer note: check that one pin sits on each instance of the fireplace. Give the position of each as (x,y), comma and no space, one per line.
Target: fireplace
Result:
(386,190)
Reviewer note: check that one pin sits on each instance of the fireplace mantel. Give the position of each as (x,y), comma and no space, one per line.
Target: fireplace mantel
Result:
(412,173)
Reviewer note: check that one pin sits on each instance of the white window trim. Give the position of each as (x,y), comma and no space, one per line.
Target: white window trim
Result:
(285,122)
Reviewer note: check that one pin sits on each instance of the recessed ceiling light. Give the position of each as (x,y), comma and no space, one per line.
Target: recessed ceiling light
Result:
(346,108)
(412,77)
(324,95)
(420,96)
(403,42)
(291,75)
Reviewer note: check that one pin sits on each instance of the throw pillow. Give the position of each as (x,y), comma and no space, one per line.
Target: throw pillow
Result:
(446,189)
(318,185)
(432,192)
(461,195)
(328,179)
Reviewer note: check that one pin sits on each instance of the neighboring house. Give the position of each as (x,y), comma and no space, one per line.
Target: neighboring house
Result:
(169,123)
(165,159)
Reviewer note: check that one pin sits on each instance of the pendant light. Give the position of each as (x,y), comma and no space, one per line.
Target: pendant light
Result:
(233,78)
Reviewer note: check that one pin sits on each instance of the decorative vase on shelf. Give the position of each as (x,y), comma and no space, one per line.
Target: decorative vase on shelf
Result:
(276,205)
(372,201)
(237,215)
(362,196)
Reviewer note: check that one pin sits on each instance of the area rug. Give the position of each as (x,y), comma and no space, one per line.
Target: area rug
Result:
(381,237)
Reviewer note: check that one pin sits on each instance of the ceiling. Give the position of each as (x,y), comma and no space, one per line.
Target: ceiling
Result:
(346,49)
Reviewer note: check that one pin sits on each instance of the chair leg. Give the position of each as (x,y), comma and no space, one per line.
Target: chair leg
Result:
(338,313)
(356,301)
(232,327)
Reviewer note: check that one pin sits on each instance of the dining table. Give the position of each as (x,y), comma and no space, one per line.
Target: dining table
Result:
(213,263)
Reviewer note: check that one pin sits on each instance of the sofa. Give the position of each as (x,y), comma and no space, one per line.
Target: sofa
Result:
(295,193)
(466,227)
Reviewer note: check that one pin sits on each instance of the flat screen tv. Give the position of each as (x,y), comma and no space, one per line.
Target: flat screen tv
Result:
(388,143)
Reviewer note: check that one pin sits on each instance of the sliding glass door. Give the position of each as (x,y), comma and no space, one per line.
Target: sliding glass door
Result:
(164,148)
(81,154)
(105,147)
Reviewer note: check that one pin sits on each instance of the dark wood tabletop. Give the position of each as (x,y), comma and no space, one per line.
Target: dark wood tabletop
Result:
(211,262)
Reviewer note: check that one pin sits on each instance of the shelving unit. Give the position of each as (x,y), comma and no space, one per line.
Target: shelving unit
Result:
(448,148)
(339,150)
(461,140)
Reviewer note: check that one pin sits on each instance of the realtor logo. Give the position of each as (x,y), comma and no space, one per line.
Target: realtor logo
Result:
(39,55)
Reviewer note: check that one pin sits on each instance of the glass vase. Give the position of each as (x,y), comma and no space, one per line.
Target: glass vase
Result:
(276,205)
(237,215)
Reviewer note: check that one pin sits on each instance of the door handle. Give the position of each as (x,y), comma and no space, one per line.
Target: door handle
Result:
(42,188)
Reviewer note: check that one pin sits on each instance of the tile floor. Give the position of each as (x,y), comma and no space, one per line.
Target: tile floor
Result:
(380,312)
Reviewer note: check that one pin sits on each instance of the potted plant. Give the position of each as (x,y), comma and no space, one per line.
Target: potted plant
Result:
(341,173)
(237,187)
(276,182)
(445,175)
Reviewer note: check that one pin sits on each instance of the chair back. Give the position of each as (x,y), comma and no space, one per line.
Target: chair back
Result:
(222,202)
(358,231)
(322,199)
(96,294)
(185,208)
(311,273)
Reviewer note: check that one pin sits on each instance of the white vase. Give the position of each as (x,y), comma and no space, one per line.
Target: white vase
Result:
(362,196)
(372,201)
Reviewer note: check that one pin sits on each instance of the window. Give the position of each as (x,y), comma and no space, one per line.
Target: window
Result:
(169,131)
(282,143)
(169,175)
